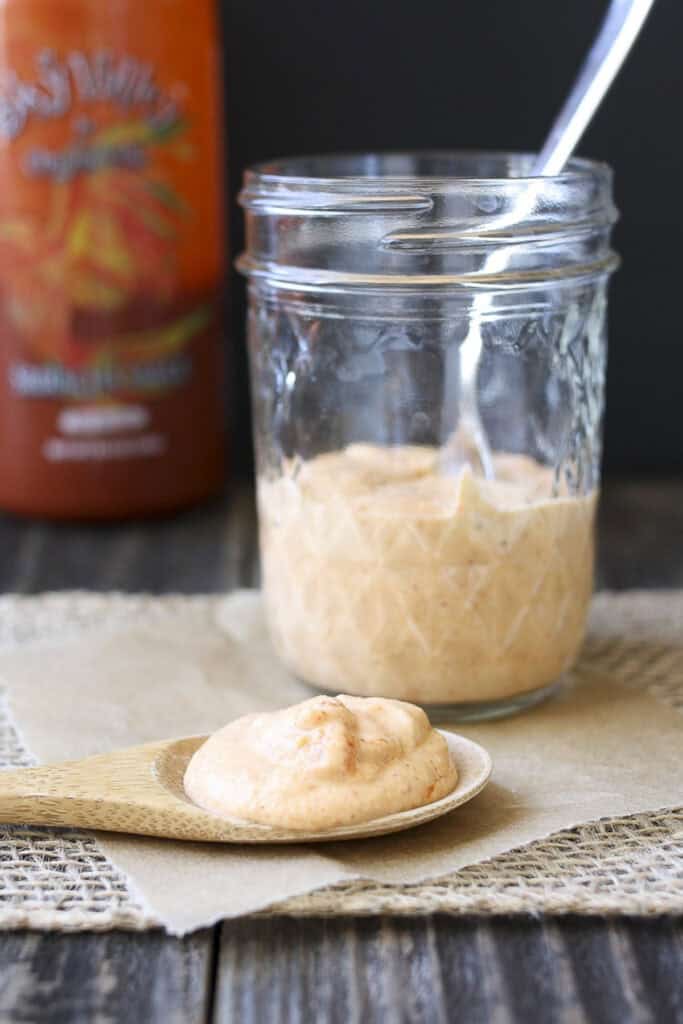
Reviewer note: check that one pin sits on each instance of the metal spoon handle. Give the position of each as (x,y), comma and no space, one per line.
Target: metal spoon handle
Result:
(617,34)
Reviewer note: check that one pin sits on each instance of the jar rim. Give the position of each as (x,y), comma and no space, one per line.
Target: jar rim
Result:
(334,171)
(371,223)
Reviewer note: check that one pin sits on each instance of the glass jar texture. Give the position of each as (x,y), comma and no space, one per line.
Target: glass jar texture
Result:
(397,562)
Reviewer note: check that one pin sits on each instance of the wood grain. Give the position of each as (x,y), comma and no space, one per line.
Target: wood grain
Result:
(132,977)
(442,969)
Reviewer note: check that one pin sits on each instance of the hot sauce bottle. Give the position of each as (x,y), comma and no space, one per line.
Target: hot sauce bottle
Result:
(112,257)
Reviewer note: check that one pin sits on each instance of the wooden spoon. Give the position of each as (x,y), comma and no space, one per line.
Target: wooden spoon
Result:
(140,790)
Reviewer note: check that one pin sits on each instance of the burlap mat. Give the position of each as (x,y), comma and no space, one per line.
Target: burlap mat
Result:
(632,865)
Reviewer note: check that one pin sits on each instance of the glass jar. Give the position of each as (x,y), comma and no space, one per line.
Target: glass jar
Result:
(427,348)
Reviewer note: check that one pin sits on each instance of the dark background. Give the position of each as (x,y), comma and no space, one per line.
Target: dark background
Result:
(324,75)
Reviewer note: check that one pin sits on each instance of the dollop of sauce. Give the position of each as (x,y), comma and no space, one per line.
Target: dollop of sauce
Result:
(324,763)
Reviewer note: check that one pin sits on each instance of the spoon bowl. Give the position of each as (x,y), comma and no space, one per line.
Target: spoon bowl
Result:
(140,791)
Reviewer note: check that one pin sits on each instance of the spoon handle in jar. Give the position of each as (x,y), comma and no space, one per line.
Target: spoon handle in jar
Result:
(618,32)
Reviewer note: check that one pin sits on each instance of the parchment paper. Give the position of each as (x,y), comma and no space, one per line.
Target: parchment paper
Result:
(600,749)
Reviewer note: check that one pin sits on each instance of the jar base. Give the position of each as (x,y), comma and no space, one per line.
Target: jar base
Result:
(488,710)
(481,711)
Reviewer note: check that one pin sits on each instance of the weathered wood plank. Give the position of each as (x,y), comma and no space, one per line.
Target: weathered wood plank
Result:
(272,971)
(568,971)
(604,971)
(658,952)
(440,969)
(104,978)
(10,533)
(539,979)
(204,550)
(640,534)
(334,971)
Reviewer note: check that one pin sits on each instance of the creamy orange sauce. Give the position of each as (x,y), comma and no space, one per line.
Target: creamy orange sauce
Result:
(326,762)
(382,576)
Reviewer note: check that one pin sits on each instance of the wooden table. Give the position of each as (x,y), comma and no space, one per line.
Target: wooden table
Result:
(437,969)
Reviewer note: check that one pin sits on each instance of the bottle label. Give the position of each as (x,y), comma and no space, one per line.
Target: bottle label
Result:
(110,235)
(80,79)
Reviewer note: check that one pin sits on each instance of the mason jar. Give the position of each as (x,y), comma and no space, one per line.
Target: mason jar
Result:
(427,352)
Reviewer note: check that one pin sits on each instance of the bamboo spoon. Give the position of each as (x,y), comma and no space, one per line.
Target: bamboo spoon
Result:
(140,790)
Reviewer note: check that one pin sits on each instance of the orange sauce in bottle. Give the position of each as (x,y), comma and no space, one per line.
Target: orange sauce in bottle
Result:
(112,257)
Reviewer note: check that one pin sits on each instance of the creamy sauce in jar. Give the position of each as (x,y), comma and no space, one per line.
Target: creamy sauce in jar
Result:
(327,762)
(384,577)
